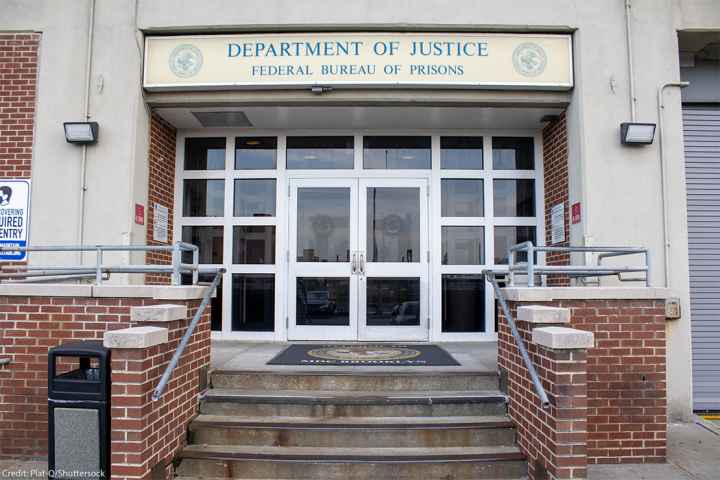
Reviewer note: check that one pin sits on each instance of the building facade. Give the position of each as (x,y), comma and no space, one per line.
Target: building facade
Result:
(356,166)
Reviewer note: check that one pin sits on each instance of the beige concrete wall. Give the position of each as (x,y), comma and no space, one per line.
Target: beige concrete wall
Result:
(619,187)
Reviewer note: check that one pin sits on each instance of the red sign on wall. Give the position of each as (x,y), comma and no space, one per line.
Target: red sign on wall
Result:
(576,215)
(139,214)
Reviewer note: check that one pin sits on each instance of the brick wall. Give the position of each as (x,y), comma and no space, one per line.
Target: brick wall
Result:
(555,167)
(18,89)
(553,439)
(626,377)
(161,188)
(30,325)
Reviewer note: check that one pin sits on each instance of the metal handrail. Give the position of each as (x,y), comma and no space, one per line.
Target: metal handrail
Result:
(544,402)
(186,337)
(530,268)
(175,269)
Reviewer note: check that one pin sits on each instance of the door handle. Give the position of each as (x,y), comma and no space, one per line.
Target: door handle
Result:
(362,264)
(353,264)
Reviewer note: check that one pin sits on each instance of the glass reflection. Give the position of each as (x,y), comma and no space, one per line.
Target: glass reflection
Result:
(506,237)
(513,153)
(463,303)
(204,153)
(210,241)
(323,225)
(393,301)
(514,198)
(254,198)
(462,198)
(318,153)
(255,153)
(253,302)
(396,152)
(463,245)
(215,302)
(393,224)
(461,153)
(323,301)
(253,244)
(203,198)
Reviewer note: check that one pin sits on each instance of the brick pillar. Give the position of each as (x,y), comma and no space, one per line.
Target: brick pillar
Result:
(554,439)
(161,189)
(555,168)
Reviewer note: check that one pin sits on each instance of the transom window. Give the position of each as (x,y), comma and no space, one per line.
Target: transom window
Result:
(485,194)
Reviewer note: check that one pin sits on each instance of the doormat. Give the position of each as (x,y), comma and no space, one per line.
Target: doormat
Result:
(365,354)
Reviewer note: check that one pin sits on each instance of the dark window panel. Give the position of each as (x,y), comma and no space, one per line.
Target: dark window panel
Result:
(210,241)
(254,197)
(322,301)
(506,237)
(461,153)
(253,244)
(215,302)
(393,224)
(393,301)
(320,153)
(463,303)
(205,153)
(514,198)
(462,197)
(255,153)
(396,152)
(513,153)
(463,245)
(323,224)
(253,302)
(203,198)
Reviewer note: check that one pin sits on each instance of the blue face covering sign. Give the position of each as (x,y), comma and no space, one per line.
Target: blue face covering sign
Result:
(14,218)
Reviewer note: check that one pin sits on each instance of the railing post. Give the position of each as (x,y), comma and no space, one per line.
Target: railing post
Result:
(511,271)
(98,265)
(175,279)
(530,264)
(647,268)
(196,262)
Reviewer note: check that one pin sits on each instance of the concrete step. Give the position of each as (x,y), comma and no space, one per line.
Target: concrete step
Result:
(352,463)
(348,432)
(354,381)
(318,404)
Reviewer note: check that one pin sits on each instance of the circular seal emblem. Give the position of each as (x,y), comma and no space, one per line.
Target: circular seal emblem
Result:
(392,224)
(529,59)
(364,353)
(185,60)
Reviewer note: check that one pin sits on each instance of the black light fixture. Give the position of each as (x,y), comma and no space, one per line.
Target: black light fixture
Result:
(637,133)
(82,133)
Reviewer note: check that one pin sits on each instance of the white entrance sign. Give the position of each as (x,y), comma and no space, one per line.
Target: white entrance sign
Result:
(14,217)
(160,223)
(455,60)
(557,223)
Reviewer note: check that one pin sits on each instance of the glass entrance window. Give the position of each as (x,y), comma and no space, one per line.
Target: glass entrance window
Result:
(514,198)
(461,153)
(255,153)
(386,152)
(393,224)
(205,153)
(463,245)
(323,219)
(393,301)
(513,153)
(463,303)
(254,197)
(203,198)
(253,305)
(462,197)
(322,301)
(320,153)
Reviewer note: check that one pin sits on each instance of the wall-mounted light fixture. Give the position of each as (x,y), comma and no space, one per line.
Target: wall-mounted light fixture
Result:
(637,133)
(82,133)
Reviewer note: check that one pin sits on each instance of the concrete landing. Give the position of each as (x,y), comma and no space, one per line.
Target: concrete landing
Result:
(235,355)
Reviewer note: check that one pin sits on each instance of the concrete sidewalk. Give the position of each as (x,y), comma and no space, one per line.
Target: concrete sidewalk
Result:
(693,453)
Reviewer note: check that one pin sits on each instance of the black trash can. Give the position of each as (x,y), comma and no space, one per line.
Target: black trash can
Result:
(79,411)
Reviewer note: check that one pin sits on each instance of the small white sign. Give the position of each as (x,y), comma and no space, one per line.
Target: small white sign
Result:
(160,223)
(557,223)
(14,217)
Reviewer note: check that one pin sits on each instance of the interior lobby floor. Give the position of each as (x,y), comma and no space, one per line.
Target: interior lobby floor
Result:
(253,356)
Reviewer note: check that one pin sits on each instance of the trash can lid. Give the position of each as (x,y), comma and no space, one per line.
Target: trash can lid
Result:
(80,348)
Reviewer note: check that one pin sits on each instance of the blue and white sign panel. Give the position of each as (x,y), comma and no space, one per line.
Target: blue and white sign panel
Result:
(14,217)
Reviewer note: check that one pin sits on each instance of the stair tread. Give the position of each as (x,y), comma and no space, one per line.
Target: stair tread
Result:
(229,393)
(335,454)
(357,372)
(233,421)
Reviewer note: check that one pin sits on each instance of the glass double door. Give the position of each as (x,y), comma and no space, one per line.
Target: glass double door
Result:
(358,266)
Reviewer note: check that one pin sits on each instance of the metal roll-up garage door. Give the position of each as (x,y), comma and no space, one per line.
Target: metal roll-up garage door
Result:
(701,126)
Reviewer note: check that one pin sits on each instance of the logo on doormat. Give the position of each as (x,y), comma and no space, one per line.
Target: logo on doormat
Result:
(364,353)
(529,59)
(185,60)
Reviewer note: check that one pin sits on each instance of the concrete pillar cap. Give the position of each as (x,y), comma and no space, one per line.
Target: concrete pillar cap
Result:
(135,337)
(562,338)
(158,313)
(543,314)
